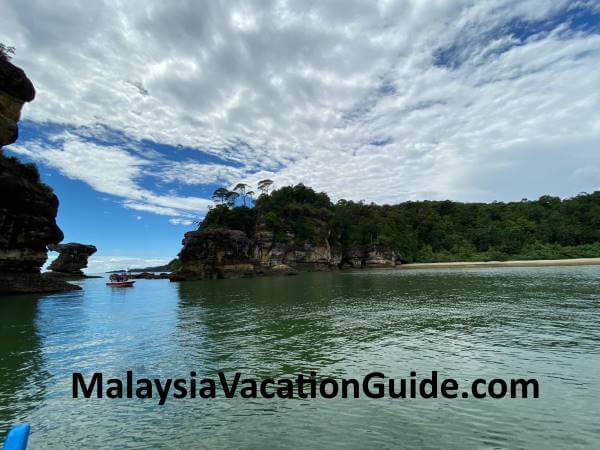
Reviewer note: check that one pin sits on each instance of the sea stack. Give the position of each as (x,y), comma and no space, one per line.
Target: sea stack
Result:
(28,207)
(71,259)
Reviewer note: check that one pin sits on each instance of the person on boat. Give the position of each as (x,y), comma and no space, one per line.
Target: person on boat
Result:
(117,277)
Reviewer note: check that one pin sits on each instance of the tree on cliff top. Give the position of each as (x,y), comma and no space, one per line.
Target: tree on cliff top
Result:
(6,52)
(424,231)
(220,195)
(242,191)
(298,210)
(264,186)
(231,197)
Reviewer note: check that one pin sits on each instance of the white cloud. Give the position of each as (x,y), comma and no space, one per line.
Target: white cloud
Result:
(101,264)
(299,93)
(179,221)
(110,170)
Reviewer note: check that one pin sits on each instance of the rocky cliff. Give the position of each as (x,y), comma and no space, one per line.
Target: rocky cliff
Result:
(27,206)
(292,229)
(15,90)
(306,256)
(71,259)
(365,256)
(217,253)
(225,253)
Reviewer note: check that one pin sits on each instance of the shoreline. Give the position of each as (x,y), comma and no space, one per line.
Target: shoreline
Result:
(514,263)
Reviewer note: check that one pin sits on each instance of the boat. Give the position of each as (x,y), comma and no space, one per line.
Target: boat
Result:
(120,283)
(122,279)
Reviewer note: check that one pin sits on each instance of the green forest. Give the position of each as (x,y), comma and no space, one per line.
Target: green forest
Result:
(421,231)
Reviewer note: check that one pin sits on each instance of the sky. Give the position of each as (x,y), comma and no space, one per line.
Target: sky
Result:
(144,107)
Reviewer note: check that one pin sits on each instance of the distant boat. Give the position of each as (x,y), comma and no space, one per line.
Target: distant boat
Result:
(121,283)
(120,280)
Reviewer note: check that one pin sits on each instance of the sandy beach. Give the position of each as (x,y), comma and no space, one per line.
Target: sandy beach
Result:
(524,263)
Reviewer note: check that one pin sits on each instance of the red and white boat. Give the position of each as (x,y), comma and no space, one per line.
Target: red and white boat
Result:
(120,280)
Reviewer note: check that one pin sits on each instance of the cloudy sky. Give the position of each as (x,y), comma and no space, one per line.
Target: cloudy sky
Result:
(144,107)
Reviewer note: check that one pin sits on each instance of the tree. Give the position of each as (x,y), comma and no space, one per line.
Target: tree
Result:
(423,231)
(265,185)
(220,195)
(231,197)
(250,194)
(242,190)
(6,52)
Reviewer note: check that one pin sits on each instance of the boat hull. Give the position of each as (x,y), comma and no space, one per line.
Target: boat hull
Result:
(120,283)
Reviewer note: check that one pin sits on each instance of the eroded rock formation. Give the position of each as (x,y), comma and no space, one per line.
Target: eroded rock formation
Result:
(217,253)
(72,258)
(307,256)
(224,253)
(149,276)
(15,90)
(375,255)
(27,206)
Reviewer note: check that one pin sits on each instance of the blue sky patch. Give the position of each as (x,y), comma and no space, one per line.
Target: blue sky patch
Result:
(580,18)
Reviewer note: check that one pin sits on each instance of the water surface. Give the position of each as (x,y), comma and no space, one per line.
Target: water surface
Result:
(465,323)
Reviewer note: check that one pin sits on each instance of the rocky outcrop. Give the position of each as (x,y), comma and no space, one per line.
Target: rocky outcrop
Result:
(369,256)
(306,257)
(217,253)
(224,253)
(15,90)
(294,229)
(72,258)
(27,206)
(149,276)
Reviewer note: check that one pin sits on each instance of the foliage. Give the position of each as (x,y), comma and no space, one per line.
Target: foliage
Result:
(220,194)
(27,171)
(298,211)
(231,197)
(242,189)
(427,231)
(224,216)
(264,186)
(439,231)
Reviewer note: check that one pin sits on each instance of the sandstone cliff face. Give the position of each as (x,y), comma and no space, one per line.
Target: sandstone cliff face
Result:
(72,257)
(27,207)
(15,89)
(27,224)
(270,253)
(224,253)
(217,253)
(375,255)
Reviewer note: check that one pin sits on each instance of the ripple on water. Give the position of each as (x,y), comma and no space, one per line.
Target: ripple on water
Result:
(464,323)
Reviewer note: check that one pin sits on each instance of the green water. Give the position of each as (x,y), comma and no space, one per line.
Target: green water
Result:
(511,322)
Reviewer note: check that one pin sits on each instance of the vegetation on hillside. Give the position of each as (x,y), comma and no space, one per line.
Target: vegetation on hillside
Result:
(426,231)
(26,171)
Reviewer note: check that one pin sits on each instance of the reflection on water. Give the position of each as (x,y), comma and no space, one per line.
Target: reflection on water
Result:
(21,367)
(469,323)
